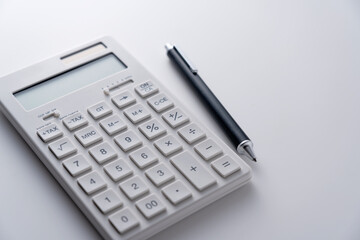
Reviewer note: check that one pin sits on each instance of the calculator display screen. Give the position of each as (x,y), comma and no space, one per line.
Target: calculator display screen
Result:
(69,81)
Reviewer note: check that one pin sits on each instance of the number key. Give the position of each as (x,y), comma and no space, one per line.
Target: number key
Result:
(134,187)
(107,201)
(143,157)
(76,165)
(150,206)
(102,153)
(159,174)
(128,141)
(123,221)
(91,182)
(117,170)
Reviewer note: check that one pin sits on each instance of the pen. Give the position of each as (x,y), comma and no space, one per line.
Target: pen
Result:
(237,136)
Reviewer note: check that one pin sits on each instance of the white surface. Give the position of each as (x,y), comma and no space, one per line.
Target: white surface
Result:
(288,71)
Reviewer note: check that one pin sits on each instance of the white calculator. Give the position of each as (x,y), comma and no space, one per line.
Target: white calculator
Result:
(128,153)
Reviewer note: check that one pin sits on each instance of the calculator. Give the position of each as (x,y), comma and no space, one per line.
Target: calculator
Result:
(130,155)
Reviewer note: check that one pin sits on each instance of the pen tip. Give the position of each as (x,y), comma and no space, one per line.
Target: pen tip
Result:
(168,46)
(250,153)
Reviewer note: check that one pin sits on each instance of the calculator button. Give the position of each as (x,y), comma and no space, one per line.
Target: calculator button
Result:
(113,125)
(168,145)
(225,166)
(150,206)
(123,221)
(175,117)
(208,149)
(152,129)
(88,136)
(62,148)
(143,157)
(117,170)
(127,141)
(49,133)
(123,99)
(193,170)
(191,133)
(134,188)
(107,201)
(76,165)
(99,110)
(137,113)
(159,174)
(91,182)
(176,192)
(75,121)
(102,153)
(146,89)
(160,102)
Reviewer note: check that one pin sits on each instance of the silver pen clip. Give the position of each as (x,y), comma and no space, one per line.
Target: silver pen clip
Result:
(186,60)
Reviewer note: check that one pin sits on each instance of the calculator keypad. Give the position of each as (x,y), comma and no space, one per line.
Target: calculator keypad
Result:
(99,110)
(191,133)
(88,136)
(160,102)
(117,170)
(176,192)
(76,165)
(123,99)
(49,133)
(137,113)
(225,166)
(193,170)
(168,145)
(143,157)
(127,141)
(134,187)
(175,117)
(91,182)
(167,158)
(107,201)
(146,89)
(150,206)
(62,148)
(152,129)
(75,121)
(123,221)
(113,125)
(159,174)
(208,149)
(102,153)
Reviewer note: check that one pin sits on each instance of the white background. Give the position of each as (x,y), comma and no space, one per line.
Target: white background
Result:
(288,72)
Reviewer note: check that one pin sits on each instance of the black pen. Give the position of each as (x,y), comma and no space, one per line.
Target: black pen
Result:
(237,136)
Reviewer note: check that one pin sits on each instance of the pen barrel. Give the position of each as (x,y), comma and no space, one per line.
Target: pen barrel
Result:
(222,116)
